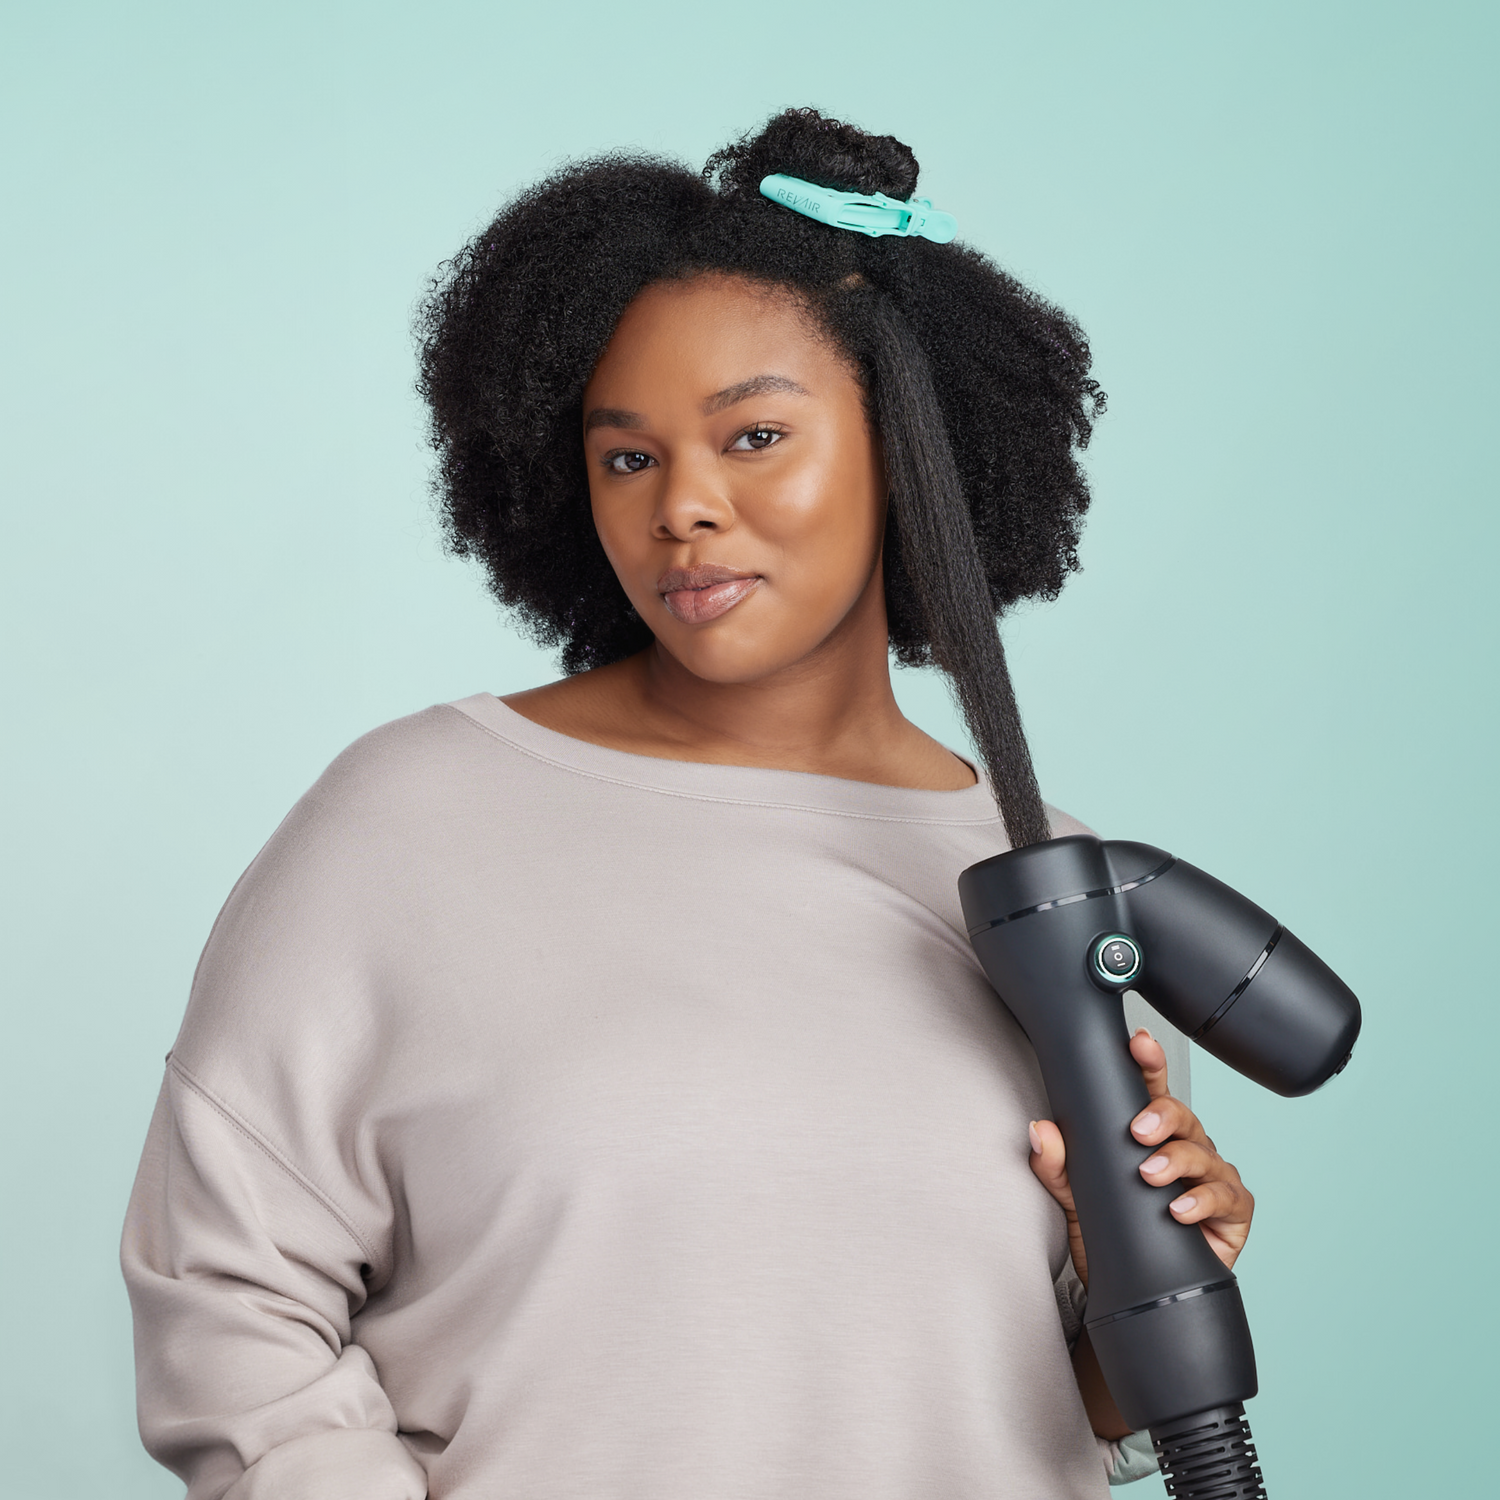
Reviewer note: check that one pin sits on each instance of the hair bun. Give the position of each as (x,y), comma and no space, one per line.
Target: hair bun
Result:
(804,143)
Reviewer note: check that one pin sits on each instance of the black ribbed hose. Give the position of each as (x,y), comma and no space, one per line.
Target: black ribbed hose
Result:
(1209,1456)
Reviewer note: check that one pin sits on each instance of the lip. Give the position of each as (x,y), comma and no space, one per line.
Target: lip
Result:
(704,591)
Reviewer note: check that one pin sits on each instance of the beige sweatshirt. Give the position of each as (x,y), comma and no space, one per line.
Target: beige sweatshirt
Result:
(553,1123)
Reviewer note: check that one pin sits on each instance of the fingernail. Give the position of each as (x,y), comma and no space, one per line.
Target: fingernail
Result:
(1036,1140)
(1141,1031)
(1156,1164)
(1147,1123)
(1181,1205)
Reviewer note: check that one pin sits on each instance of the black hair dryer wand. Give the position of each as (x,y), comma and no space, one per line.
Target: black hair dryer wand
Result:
(1062,930)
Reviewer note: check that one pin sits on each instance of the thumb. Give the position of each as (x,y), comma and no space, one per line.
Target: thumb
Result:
(1049,1161)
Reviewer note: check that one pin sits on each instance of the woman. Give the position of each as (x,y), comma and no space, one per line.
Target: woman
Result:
(592,1092)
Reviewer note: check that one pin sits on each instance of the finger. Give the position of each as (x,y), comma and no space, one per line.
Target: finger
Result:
(1179,1160)
(1225,1204)
(1167,1118)
(1226,1233)
(1147,1051)
(1049,1160)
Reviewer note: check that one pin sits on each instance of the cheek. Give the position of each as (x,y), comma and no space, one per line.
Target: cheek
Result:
(827,522)
(625,540)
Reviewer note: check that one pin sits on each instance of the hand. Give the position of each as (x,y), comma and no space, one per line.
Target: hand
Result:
(1214,1197)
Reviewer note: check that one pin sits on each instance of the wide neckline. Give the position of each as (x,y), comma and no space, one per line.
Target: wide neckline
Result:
(710,781)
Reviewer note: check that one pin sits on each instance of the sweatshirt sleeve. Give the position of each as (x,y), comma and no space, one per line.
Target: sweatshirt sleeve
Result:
(1132,1458)
(263,1214)
(243,1277)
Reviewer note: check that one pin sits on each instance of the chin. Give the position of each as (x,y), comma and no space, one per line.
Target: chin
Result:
(728,661)
(728,668)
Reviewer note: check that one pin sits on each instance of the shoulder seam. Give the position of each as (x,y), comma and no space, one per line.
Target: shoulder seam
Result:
(243,1127)
(662,791)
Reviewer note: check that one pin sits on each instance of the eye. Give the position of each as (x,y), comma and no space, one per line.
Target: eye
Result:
(753,439)
(627,461)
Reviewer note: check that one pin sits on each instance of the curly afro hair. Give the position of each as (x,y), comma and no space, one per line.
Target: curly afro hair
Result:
(979,389)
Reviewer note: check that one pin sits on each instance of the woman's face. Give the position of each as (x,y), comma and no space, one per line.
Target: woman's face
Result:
(735,482)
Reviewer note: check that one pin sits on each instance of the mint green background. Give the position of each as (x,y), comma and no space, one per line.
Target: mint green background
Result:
(1277,224)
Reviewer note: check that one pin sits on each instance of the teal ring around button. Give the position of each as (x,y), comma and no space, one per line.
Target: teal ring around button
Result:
(1097,954)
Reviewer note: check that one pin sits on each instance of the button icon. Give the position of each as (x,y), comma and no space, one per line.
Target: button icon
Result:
(1116,958)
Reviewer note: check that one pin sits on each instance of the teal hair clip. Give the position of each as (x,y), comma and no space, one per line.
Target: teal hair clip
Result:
(866,213)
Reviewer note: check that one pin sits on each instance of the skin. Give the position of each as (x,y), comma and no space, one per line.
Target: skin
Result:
(721,429)
(796,676)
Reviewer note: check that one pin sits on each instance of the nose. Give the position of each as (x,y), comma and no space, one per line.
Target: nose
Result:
(692,501)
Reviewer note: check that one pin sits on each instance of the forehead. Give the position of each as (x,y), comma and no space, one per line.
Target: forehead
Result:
(694,337)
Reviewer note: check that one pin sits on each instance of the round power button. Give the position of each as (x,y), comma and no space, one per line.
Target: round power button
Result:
(1116,958)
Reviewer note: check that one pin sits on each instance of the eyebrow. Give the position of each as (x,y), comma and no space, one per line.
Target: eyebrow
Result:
(757,385)
(731,395)
(612,416)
